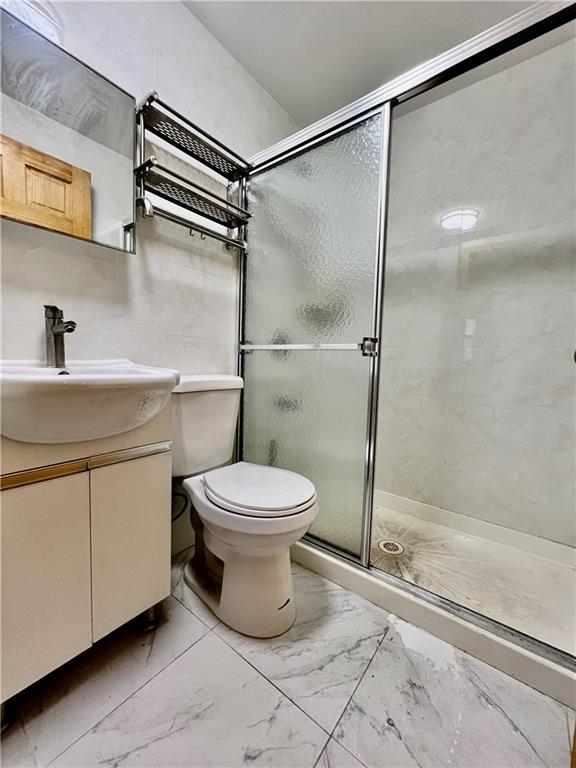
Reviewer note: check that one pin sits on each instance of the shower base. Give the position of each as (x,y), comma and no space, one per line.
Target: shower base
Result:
(491,570)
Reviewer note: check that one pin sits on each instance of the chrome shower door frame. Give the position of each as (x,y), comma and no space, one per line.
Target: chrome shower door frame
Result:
(368,347)
(521,28)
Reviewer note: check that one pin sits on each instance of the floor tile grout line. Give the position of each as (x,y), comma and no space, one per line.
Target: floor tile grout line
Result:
(282,693)
(273,684)
(285,695)
(193,614)
(322,751)
(325,747)
(352,755)
(94,725)
(330,733)
(362,676)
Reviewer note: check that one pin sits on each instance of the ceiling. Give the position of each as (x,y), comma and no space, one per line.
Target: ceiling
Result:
(314,56)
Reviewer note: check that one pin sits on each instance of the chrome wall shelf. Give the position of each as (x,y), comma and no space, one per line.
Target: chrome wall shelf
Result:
(158,118)
(170,125)
(177,189)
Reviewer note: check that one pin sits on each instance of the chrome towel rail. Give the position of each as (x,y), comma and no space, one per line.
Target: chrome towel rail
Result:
(149,210)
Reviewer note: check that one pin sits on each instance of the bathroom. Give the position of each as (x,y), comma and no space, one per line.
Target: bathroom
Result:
(287,405)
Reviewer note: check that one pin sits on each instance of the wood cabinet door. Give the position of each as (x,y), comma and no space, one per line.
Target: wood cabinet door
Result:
(45,569)
(39,189)
(131,519)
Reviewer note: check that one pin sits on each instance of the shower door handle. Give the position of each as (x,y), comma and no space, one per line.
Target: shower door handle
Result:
(369,346)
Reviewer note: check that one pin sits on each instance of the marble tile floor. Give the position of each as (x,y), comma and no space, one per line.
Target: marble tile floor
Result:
(349,686)
(499,581)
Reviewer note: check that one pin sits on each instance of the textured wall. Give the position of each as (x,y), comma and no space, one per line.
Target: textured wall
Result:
(477,398)
(174,302)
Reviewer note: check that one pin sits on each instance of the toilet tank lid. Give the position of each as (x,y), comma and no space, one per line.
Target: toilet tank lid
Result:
(207,382)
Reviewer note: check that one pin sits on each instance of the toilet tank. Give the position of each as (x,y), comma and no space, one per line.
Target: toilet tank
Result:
(204,416)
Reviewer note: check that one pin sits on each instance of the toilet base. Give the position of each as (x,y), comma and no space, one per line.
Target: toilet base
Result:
(256,596)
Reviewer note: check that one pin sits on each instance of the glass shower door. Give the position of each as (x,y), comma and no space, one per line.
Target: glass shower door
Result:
(310,287)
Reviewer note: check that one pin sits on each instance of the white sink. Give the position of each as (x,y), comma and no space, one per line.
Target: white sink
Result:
(93,399)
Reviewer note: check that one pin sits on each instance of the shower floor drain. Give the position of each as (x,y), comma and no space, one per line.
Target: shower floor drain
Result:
(391,547)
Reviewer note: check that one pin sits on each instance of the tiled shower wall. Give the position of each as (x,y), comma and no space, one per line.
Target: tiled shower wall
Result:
(477,396)
(173,303)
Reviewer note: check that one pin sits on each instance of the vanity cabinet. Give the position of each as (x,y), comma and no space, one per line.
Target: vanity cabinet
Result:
(46,616)
(85,544)
(130,513)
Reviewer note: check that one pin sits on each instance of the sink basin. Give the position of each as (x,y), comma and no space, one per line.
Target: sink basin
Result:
(91,399)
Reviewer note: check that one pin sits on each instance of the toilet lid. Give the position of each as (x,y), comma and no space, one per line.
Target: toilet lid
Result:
(252,489)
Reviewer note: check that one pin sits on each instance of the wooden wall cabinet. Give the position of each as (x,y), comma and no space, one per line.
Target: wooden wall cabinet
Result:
(39,189)
(81,555)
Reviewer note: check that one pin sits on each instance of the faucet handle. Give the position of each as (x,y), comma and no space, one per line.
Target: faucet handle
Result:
(53,312)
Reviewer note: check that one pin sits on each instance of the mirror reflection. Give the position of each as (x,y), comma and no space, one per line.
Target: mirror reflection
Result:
(66,141)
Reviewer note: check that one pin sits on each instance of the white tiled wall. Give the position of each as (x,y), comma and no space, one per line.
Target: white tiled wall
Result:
(173,303)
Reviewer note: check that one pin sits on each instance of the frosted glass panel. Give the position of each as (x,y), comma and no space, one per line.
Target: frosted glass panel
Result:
(310,279)
(306,411)
(312,243)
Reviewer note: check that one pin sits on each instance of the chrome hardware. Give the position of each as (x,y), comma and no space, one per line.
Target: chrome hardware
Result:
(300,347)
(153,210)
(56,327)
(146,206)
(369,346)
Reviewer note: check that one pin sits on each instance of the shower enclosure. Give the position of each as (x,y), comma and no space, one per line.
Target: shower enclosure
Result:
(408,307)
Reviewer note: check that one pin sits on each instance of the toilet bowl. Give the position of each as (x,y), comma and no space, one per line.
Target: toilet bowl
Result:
(251,515)
(245,516)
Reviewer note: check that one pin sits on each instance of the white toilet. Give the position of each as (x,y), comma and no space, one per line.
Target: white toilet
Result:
(245,516)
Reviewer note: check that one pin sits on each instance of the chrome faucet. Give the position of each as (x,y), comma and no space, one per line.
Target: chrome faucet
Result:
(56,327)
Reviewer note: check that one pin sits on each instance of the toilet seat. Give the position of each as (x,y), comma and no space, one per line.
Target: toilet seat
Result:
(246,522)
(258,491)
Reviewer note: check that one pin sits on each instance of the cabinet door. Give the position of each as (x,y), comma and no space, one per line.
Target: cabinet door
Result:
(37,188)
(131,513)
(46,618)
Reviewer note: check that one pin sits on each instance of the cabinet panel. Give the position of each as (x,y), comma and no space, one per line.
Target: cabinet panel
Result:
(45,578)
(37,188)
(131,511)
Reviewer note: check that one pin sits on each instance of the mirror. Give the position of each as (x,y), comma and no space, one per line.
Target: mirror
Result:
(66,141)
